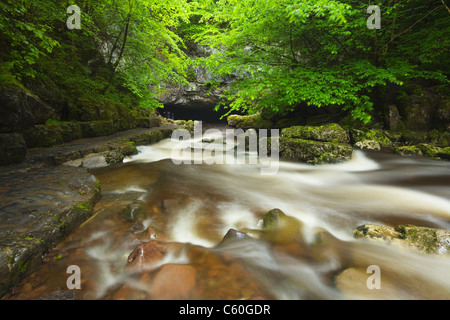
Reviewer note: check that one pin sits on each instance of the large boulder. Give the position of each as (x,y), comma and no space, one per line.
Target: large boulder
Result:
(254,121)
(20,109)
(377,135)
(315,144)
(314,152)
(327,133)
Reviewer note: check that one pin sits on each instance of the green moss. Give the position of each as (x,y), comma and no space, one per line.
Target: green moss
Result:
(34,239)
(97,186)
(408,151)
(84,206)
(328,133)
(22,267)
(371,134)
(314,152)
(429,150)
(444,153)
(423,238)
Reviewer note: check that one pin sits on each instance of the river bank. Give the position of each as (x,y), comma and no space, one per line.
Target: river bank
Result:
(51,192)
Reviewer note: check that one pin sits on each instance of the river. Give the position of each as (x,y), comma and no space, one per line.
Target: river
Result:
(194,205)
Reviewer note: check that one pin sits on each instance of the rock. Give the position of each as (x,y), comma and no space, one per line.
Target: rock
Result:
(315,144)
(147,254)
(20,110)
(368,145)
(419,108)
(429,150)
(422,239)
(135,211)
(376,232)
(61,295)
(173,282)
(440,139)
(254,121)
(444,153)
(281,228)
(314,152)
(394,118)
(377,135)
(97,128)
(352,282)
(234,235)
(429,240)
(408,151)
(12,148)
(38,209)
(327,133)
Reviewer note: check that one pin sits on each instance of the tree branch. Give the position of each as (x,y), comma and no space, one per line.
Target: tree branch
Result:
(446,7)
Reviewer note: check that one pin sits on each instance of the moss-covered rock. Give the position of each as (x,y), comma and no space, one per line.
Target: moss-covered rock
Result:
(314,152)
(408,151)
(429,150)
(43,136)
(422,239)
(327,133)
(281,228)
(377,135)
(254,121)
(97,128)
(440,139)
(444,153)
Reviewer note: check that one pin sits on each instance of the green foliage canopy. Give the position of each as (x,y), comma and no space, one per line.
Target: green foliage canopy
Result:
(287,52)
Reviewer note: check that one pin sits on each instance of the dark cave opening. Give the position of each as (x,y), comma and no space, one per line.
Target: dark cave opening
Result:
(204,113)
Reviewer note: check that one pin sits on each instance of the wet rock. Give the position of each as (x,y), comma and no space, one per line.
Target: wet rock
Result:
(368,145)
(20,110)
(408,151)
(444,153)
(37,209)
(377,135)
(281,228)
(314,152)
(327,133)
(12,148)
(429,150)
(147,254)
(61,295)
(234,235)
(254,121)
(137,227)
(173,282)
(422,239)
(352,282)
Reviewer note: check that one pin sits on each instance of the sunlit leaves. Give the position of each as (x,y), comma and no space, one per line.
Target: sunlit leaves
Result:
(284,53)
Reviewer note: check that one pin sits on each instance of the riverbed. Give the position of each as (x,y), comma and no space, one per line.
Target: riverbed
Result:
(187,208)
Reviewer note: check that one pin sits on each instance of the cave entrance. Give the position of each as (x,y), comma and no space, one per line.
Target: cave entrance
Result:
(201,113)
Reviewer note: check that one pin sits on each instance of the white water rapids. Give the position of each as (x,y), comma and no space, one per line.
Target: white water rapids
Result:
(201,202)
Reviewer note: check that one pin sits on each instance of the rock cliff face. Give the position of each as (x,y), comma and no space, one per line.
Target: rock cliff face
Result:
(198,94)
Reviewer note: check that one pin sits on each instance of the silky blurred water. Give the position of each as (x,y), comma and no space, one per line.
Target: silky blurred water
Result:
(197,204)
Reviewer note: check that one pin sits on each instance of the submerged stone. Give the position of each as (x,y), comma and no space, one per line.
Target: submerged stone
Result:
(423,239)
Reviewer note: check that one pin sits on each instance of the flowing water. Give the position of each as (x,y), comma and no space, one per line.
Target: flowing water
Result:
(194,205)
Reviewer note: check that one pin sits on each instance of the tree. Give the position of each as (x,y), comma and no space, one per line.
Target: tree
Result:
(321,53)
